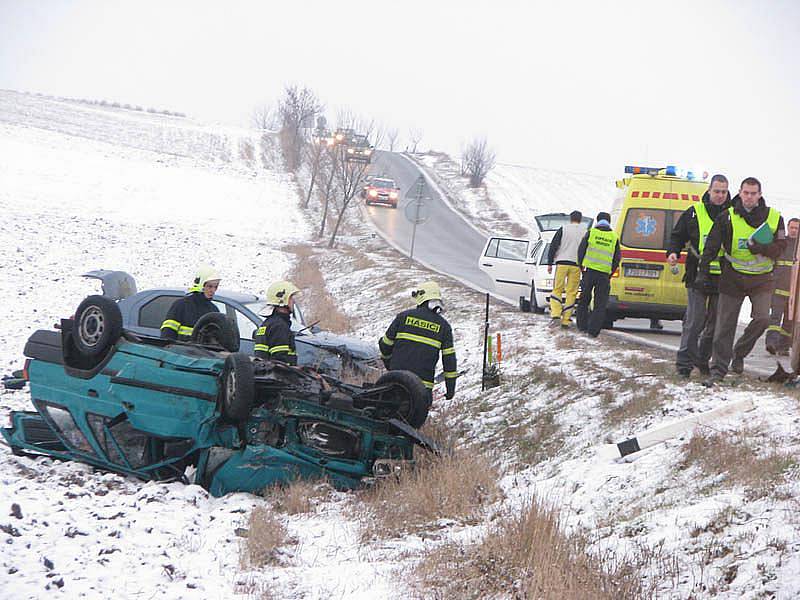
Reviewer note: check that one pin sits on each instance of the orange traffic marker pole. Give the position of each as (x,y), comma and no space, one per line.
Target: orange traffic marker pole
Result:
(499,350)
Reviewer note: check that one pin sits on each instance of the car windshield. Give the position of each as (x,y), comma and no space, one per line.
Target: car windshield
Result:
(383,183)
(262,309)
(553,221)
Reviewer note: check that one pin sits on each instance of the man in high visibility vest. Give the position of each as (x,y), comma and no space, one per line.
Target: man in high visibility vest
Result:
(779,335)
(598,255)
(747,272)
(690,232)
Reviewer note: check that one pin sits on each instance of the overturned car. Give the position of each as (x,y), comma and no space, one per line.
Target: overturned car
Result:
(203,413)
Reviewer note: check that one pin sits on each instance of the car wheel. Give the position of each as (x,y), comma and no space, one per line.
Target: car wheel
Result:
(524,304)
(215,329)
(97,326)
(539,310)
(412,396)
(238,387)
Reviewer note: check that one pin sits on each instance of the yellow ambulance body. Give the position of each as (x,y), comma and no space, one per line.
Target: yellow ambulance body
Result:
(649,203)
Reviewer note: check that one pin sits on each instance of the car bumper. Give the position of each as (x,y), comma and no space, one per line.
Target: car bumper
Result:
(643,310)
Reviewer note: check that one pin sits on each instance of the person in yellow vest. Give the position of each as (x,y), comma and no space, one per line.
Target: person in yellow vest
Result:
(779,333)
(598,255)
(690,232)
(747,272)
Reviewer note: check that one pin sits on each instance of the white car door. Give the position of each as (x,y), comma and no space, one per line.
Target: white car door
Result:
(505,261)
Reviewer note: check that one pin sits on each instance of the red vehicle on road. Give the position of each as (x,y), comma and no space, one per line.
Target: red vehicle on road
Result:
(381,190)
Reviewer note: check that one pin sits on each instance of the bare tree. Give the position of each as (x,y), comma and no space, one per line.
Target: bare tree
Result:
(316,153)
(415,135)
(350,177)
(264,118)
(392,136)
(333,157)
(296,111)
(477,159)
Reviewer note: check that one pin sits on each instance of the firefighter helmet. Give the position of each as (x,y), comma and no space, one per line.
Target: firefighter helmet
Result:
(278,293)
(428,290)
(204,274)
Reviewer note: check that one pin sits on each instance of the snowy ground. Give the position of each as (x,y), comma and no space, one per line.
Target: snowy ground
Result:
(81,202)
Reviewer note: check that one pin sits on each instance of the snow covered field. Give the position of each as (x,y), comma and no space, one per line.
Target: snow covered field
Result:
(71,203)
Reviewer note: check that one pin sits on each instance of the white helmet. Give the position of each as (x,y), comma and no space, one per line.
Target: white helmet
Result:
(204,274)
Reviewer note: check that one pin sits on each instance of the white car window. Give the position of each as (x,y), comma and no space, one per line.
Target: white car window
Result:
(246,327)
(512,249)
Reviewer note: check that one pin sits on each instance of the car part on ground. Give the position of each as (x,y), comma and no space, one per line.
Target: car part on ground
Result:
(149,408)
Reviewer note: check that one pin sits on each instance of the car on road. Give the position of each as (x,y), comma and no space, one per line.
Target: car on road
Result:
(381,190)
(344,135)
(518,267)
(145,311)
(201,412)
(359,150)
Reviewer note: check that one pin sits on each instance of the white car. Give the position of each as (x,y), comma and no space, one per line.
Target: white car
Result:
(518,267)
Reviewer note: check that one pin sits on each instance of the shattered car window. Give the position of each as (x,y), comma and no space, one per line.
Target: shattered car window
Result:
(61,419)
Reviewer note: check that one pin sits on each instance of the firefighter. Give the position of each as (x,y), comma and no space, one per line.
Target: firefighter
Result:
(416,336)
(599,255)
(186,311)
(747,272)
(779,336)
(274,339)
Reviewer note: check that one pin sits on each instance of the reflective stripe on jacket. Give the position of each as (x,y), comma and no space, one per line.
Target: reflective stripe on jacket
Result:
(413,343)
(704,224)
(274,339)
(183,314)
(740,257)
(600,250)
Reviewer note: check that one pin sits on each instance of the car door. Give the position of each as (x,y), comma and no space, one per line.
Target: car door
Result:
(505,261)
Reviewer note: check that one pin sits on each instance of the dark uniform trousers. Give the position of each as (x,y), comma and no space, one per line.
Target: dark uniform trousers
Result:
(597,285)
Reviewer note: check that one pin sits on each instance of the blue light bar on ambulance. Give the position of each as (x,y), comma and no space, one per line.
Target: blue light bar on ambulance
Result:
(642,170)
(669,171)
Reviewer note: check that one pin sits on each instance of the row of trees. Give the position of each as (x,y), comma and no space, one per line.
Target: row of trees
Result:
(300,124)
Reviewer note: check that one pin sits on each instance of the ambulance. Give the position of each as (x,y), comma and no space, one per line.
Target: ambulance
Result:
(648,204)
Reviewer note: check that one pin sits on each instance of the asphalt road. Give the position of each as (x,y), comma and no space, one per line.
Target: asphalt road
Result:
(447,243)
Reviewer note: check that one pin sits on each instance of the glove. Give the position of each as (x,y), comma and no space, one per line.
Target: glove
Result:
(757,248)
(385,363)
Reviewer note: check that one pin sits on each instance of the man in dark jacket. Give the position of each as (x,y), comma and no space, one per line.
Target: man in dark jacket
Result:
(747,272)
(779,335)
(599,255)
(274,339)
(186,311)
(415,337)
(690,232)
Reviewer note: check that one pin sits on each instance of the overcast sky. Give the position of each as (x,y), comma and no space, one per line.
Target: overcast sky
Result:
(584,86)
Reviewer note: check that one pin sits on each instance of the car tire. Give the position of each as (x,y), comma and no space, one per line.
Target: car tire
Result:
(238,387)
(415,400)
(535,308)
(97,326)
(215,329)
(524,304)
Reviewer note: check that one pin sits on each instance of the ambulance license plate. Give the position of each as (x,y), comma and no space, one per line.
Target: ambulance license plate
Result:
(647,273)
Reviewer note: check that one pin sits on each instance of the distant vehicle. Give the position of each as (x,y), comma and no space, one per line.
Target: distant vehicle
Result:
(323,136)
(144,312)
(359,150)
(381,190)
(650,201)
(150,408)
(344,136)
(518,266)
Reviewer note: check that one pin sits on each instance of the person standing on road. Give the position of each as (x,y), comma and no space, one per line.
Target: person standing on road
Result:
(690,232)
(747,272)
(779,335)
(563,253)
(415,337)
(185,312)
(599,255)
(274,339)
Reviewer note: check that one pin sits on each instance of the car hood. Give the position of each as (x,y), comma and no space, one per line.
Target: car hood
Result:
(324,339)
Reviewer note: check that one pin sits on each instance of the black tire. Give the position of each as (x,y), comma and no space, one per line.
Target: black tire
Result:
(97,326)
(238,387)
(524,304)
(215,329)
(535,308)
(413,396)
